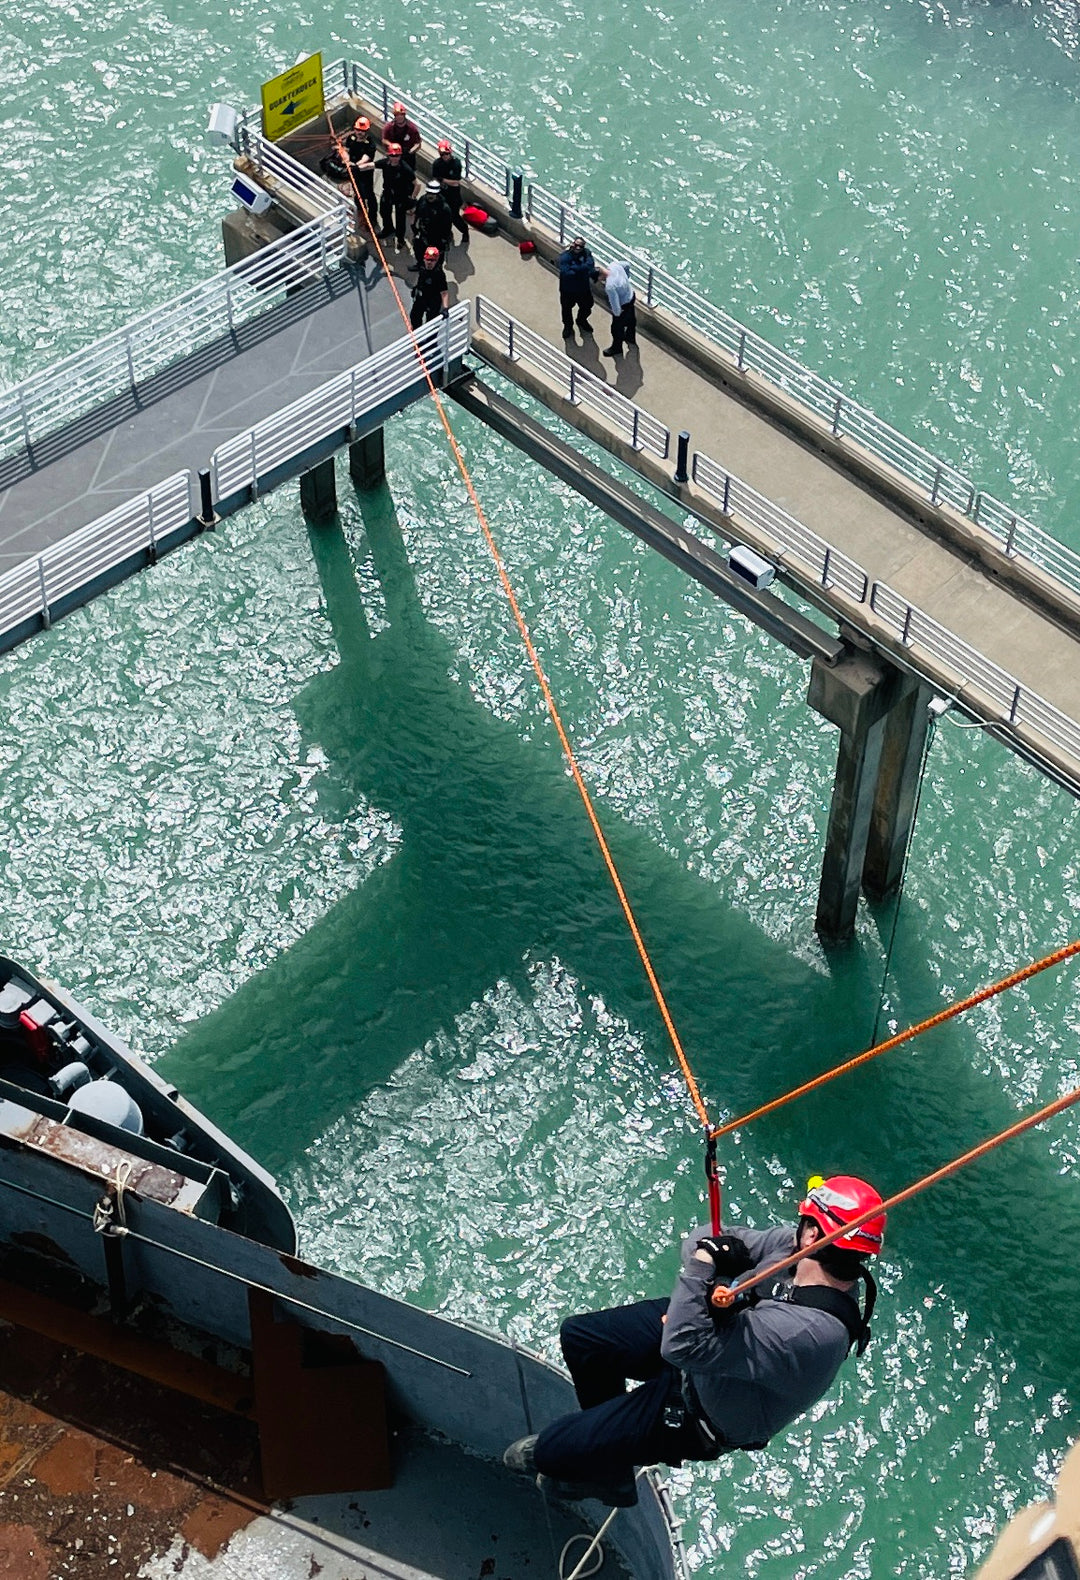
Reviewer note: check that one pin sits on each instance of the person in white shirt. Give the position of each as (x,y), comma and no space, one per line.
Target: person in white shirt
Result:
(621,300)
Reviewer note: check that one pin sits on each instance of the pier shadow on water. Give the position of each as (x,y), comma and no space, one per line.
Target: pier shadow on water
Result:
(497,867)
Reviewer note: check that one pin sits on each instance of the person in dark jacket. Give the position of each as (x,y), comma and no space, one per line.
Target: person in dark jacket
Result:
(398,191)
(362,150)
(577,271)
(433,224)
(431,293)
(446,170)
(713,1379)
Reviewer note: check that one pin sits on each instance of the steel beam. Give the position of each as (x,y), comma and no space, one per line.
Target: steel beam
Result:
(645,521)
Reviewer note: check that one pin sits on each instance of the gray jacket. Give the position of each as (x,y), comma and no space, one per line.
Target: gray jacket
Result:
(769,1365)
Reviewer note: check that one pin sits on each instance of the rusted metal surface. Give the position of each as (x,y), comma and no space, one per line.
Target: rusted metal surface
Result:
(101,1472)
(99,1158)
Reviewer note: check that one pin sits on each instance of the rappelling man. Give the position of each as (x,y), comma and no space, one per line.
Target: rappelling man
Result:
(714,1378)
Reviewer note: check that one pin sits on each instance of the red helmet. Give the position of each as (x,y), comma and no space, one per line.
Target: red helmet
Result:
(840,1199)
(361,124)
(444,146)
(393,150)
(431,254)
(399,108)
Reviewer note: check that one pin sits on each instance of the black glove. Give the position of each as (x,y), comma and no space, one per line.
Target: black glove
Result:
(729,1255)
(724,1316)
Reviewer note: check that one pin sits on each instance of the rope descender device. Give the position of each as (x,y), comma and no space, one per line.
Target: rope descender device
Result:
(712,1176)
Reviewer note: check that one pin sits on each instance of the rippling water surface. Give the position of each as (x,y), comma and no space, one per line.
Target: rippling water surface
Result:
(286,811)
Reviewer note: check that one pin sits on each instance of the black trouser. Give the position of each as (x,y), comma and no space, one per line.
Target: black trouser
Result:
(366,186)
(452,199)
(424,309)
(624,326)
(568,300)
(615,1431)
(393,211)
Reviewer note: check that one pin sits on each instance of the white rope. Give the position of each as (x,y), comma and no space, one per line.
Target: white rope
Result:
(579,1572)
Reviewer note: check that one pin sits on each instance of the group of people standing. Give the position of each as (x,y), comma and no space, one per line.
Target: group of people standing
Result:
(435,207)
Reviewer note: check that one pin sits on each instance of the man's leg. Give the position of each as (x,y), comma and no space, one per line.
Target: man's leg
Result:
(629,323)
(584,308)
(566,304)
(605,1444)
(386,214)
(604,1349)
(401,212)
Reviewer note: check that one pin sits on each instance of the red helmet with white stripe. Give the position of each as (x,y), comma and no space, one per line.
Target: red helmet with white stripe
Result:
(840,1199)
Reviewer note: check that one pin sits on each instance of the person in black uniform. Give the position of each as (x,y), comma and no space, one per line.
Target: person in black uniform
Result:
(433,224)
(398,191)
(577,271)
(431,293)
(446,170)
(362,150)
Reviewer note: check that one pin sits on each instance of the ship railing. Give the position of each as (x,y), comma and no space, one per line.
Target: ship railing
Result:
(937,481)
(115,367)
(257,458)
(518,343)
(969,676)
(37,591)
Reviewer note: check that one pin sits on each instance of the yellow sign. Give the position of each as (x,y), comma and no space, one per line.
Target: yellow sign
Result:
(293,98)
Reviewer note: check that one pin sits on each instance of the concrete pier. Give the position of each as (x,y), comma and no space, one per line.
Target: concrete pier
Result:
(861,694)
(318,491)
(367,461)
(892,819)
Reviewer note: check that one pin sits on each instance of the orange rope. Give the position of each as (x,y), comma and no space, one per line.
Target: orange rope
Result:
(903,1036)
(1056,1107)
(538,669)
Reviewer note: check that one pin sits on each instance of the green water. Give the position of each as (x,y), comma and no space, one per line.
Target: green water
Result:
(287,812)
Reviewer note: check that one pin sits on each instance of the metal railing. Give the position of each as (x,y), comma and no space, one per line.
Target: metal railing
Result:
(244,462)
(633,423)
(815,562)
(290,177)
(118,364)
(939,483)
(818,560)
(36,588)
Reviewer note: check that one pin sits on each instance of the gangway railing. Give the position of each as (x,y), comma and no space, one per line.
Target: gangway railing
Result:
(256,459)
(809,559)
(962,670)
(520,344)
(67,573)
(115,366)
(71,571)
(290,177)
(937,481)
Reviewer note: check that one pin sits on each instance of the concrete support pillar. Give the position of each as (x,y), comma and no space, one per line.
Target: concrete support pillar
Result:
(893,814)
(367,461)
(318,491)
(855,694)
